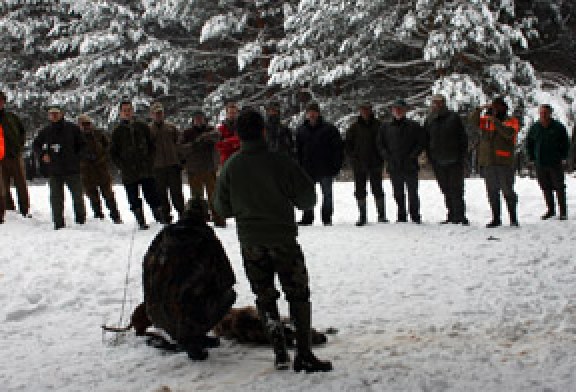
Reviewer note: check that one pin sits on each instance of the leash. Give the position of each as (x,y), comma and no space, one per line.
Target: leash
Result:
(130,251)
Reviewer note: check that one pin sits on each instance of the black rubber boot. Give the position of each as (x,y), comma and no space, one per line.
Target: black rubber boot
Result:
(307,218)
(270,318)
(496,211)
(549,198)
(362,209)
(512,213)
(139,214)
(561,195)
(159,215)
(381,208)
(300,312)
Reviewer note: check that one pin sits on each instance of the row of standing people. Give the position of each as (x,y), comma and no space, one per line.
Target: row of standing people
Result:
(150,156)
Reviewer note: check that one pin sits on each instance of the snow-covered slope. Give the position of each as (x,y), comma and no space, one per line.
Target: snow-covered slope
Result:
(418,307)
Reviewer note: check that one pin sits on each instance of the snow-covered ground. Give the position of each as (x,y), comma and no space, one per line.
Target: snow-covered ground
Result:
(418,308)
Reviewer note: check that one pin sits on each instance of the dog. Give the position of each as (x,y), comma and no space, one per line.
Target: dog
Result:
(240,324)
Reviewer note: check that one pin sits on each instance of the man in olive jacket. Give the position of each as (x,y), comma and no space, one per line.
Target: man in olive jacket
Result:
(260,189)
(401,141)
(496,147)
(132,151)
(547,146)
(360,144)
(13,163)
(60,146)
(94,170)
(167,169)
(447,149)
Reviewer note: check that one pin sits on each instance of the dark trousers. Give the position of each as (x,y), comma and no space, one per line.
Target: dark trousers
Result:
(361,177)
(13,172)
(327,209)
(450,179)
(74,185)
(263,263)
(169,181)
(148,189)
(96,181)
(499,178)
(408,180)
(551,179)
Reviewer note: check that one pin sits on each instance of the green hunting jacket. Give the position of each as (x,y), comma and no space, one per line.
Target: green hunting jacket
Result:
(260,189)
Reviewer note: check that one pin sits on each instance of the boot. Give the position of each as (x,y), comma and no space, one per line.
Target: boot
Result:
(362,209)
(512,204)
(270,318)
(561,195)
(381,208)
(326,217)
(307,218)
(300,312)
(115,216)
(139,214)
(496,210)
(549,198)
(195,349)
(159,216)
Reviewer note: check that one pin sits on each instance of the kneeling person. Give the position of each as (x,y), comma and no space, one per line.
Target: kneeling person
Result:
(263,206)
(187,280)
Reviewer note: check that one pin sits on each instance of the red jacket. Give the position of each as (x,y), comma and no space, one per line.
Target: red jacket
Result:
(2,149)
(229,142)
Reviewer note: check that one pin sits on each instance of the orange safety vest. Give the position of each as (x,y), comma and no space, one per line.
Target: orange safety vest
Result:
(488,126)
(2,147)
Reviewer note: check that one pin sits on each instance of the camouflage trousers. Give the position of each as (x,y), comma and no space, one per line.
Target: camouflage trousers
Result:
(262,263)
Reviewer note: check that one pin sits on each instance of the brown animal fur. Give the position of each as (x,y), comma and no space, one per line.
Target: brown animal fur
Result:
(139,321)
(240,324)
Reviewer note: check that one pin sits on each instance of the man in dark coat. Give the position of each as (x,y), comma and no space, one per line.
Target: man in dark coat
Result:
(13,164)
(447,149)
(279,137)
(320,153)
(167,169)
(401,141)
(60,145)
(132,151)
(360,144)
(199,156)
(187,280)
(94,170)
(260,189)
(547,146)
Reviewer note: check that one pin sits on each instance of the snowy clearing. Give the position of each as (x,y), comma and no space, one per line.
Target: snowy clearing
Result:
(418,308)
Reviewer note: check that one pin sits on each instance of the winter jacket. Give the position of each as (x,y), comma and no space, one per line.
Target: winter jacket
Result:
(132,150)
(197,148)
(165,137)
(64,143)
(2,147)
(497,139)
(547,146)
(320,149)
(260,189)
(400,142)
(187,279)
(14,134)
(279,137)
(446,138)
(360,144)
(96,150)
(229,142)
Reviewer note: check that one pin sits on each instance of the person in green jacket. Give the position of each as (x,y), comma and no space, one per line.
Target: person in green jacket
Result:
(260,189)
(547,146)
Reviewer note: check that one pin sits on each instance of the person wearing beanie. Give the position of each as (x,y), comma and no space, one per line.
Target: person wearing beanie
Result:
(260,189)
